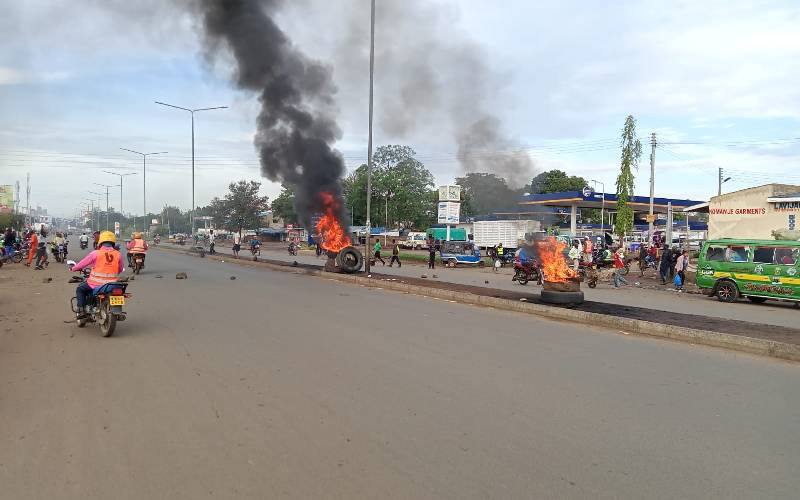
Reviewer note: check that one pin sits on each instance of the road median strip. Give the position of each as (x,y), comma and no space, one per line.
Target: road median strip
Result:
(752,345)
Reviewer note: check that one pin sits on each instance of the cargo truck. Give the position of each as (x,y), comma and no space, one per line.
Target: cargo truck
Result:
(488,234)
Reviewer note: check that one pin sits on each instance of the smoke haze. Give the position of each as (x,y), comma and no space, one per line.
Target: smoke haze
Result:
(431,77)
(295,126)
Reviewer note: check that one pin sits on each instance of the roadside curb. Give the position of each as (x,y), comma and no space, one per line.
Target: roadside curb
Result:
(741,343)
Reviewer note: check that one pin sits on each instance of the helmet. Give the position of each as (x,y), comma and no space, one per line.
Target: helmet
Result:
(137,236)
(106,236)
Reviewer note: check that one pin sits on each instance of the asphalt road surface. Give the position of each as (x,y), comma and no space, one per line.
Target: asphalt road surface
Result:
(277,385)
(770,313)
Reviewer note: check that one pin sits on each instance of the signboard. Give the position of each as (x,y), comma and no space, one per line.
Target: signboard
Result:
(450,193)
(449,212)
(6,198)
(116,228)
(650,218)
(587,192)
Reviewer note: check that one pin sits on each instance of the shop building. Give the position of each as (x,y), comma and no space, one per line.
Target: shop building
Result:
(755,213)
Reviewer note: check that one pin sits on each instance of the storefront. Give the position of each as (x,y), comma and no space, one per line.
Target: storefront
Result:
(756,213)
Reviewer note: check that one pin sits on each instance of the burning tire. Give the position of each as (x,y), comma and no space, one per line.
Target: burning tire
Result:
(555,297)
(349,260)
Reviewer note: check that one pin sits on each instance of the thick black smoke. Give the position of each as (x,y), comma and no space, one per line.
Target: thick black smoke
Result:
(295,127)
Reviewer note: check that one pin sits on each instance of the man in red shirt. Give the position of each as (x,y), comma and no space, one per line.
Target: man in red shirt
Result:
(619,265)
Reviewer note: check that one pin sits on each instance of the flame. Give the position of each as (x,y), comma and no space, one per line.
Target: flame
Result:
(554,264)
(334,237)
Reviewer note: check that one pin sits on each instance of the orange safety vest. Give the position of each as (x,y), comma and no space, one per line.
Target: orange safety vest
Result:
(587,248)
(106,267)
(138,246)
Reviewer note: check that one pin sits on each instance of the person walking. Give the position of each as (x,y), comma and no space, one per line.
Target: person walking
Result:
(41,250)
(377,252)
(681,265)
(673,261)
(664,264)
(318,241)
(619,265)
(395,255)
(237,239)
(212,238)
(8,241)
(431,254)
(588,248)
(575,255)
(33,241)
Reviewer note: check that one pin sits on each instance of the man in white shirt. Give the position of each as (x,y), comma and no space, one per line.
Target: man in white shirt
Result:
(236,247)
(211,239)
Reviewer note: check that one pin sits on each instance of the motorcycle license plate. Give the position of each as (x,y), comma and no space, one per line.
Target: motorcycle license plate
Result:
(117,300)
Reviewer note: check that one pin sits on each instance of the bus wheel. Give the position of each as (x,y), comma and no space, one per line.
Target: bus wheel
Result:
(757,300)
(727,292)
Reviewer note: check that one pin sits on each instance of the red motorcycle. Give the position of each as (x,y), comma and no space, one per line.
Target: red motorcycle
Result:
(529,271)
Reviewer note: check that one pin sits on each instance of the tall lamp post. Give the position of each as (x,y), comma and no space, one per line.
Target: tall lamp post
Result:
(192,112)
(107,186)
(602,207)
(144,185)
(369,140)
(99,196)
(122,212)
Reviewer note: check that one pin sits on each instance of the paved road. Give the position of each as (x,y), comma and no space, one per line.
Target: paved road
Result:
(771,313)
(277,385)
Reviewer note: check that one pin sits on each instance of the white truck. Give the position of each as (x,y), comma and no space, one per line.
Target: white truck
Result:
(487,234)
(414,241)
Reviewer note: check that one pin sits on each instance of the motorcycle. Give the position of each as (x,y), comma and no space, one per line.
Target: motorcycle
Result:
(59,251)
(256,251)
(292,249)
(104,305)
(15,256)
(137,262)
(156,240)
(530,271)
(84,244)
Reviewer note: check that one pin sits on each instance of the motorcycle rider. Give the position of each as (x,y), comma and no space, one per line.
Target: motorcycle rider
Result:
(137,246)
(84,240)
(106,264)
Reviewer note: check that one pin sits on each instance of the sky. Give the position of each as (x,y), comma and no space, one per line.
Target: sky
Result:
(716,81)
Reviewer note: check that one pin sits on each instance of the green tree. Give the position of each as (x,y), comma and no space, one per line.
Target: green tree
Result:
(283,205)
(400,189)
(631,151)
(556,181)
(240,208)
(487,193)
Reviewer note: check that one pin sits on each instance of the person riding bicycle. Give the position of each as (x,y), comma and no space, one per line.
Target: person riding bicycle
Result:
(106,264)
(137,246)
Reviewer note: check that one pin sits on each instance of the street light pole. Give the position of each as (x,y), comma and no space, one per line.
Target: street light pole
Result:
(369,140)
(602,206)
(98,207)
(121,211)
(192,112)
(144,185)
(107,186)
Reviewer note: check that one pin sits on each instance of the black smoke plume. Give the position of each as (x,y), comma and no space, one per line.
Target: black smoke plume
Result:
(295,127)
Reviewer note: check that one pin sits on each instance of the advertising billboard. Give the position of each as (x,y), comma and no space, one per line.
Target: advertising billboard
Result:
(6,198)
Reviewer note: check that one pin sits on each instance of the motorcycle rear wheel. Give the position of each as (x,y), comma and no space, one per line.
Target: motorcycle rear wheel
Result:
(522,278)
(108,322)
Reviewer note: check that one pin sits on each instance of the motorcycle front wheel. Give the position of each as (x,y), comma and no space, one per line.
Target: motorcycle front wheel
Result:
(522,278)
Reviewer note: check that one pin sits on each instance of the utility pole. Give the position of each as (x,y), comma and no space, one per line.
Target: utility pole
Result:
(144,179)
(28,200)
(369,140)
(652,183)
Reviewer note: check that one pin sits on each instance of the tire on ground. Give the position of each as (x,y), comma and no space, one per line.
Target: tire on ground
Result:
(349,260)
(552,297)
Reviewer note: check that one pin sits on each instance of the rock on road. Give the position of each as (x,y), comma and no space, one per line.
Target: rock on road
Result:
(278,385)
